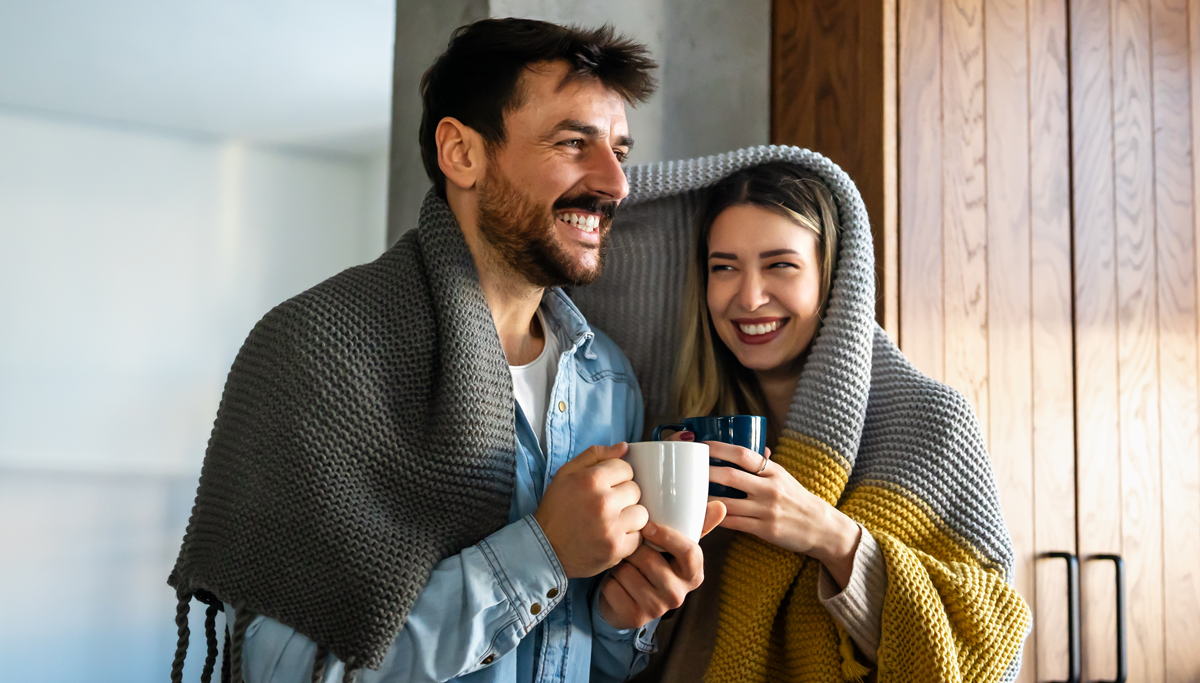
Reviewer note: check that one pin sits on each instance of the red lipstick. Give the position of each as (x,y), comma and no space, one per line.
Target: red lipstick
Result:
(756,339)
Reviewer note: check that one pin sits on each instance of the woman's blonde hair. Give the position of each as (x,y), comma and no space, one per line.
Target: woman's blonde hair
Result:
(709,380)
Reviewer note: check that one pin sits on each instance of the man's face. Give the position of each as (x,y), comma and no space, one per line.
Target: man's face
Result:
(550,192)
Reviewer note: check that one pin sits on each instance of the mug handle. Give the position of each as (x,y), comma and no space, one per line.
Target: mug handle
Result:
(657,436)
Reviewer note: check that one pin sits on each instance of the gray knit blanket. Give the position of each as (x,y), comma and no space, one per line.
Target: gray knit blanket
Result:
(366,432)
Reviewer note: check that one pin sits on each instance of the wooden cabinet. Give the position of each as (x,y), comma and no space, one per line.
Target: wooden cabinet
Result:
(1037,244)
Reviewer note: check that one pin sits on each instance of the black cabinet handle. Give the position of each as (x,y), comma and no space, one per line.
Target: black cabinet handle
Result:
(1073,660)
(1122,661)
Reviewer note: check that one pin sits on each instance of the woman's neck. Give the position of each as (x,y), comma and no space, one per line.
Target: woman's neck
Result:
(778,388)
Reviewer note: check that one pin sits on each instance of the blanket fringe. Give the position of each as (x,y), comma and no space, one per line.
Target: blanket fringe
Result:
(210,636)
(182,607)
(852,669)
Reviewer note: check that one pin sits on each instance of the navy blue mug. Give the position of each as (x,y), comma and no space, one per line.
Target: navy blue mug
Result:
(747,431)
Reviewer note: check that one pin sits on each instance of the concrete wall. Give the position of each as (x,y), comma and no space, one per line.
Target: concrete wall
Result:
(132,265)
(714,75)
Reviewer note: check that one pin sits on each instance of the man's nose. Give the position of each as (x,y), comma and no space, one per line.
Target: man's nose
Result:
(606,177)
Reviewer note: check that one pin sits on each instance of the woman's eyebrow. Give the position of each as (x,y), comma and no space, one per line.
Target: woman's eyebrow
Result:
(723,255)
(778,252)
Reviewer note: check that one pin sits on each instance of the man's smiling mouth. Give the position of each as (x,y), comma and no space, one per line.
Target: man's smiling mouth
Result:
(580,221)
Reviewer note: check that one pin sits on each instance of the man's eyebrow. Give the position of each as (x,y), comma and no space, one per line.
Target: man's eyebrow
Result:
(577,126)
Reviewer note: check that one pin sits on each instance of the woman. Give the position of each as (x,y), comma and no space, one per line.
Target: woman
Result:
(873,539)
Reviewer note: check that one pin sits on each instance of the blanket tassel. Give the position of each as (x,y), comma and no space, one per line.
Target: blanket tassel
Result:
(852,669)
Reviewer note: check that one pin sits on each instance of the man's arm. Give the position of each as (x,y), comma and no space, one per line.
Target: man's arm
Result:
(475,608)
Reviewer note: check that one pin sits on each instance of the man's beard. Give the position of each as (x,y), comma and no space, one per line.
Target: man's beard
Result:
(523,233)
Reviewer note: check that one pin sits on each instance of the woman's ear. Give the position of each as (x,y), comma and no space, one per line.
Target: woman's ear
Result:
(460,152)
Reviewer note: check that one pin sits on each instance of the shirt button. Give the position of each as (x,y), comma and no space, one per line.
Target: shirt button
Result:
(562,406)
(552,593)
(489,659)
(535,608)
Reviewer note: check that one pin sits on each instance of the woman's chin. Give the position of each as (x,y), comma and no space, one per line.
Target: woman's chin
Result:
(759,359)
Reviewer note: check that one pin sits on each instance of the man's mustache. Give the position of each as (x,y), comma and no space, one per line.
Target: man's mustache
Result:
(588,203)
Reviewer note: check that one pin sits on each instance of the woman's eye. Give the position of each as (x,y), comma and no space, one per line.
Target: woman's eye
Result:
(783,264)
(719,268)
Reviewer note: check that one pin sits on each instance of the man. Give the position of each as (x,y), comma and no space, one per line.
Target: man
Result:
(365,504)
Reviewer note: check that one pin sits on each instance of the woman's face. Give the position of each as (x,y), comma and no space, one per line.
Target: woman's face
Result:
(764,286)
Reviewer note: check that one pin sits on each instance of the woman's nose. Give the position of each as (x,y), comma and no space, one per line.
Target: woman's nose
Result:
(752,294)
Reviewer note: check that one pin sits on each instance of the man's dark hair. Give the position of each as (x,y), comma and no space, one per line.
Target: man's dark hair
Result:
(476,79)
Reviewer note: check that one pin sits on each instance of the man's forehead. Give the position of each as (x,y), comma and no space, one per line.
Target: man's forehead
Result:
(552,95)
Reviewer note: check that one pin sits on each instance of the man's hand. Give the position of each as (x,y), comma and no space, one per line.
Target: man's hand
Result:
(646,585)
(589,512)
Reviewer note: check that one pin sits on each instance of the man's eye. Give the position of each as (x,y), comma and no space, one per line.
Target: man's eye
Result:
(621,156)
(573,144)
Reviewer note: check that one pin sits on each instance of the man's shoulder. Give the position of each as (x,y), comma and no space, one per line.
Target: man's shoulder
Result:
(355,303)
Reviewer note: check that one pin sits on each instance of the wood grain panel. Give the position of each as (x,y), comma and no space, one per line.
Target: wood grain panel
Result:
(891,168)
(1137,321)
(1008,317)
(964,204)
(1177,338)
(1051,333)
(920,125)
(827,94)
(1097,402)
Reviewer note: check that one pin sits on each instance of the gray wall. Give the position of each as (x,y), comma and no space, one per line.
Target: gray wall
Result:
(714,76)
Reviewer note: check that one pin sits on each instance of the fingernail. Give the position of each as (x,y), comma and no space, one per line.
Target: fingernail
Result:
(687,436)
(650,529)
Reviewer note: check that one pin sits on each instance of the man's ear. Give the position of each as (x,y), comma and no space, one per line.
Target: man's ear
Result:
(460,152)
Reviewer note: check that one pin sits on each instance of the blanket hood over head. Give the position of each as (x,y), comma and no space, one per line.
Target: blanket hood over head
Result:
(896,451)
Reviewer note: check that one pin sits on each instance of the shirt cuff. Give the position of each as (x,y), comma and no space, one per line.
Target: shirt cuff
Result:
(641,638)
(859,606)
(527,570)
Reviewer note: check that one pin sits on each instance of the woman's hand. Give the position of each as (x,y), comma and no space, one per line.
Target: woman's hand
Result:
(780,511)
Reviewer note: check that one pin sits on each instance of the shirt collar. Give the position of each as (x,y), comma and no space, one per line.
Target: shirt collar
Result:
(572,329)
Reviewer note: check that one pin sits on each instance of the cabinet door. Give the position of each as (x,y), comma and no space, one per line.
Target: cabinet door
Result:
(985,299)
(1136,360)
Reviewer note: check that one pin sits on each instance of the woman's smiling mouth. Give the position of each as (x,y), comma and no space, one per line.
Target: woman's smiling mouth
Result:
(758,330)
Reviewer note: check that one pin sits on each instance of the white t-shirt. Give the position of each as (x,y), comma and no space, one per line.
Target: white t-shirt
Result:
(533,382)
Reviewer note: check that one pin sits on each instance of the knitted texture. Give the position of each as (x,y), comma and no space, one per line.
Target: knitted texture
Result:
(896,451)
(366,433)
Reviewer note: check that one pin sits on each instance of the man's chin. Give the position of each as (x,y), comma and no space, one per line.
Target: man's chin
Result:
(585,266)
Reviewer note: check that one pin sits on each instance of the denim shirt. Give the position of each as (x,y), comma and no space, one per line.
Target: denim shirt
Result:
(503,610)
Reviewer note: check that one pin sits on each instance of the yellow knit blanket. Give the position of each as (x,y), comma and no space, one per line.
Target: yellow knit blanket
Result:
(946,616)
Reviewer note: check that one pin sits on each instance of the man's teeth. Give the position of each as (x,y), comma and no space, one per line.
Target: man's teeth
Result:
(760,329)
(584,223)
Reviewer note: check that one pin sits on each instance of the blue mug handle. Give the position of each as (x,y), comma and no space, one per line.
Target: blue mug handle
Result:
(657,436)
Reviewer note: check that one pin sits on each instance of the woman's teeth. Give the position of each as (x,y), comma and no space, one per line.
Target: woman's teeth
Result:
(755,330)
(584,223)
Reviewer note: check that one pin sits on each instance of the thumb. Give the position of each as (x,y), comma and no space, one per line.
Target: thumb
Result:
(713,515)
(596,455)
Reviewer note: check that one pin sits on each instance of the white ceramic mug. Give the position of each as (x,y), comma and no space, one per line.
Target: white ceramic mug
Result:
(673,477)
